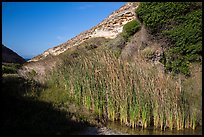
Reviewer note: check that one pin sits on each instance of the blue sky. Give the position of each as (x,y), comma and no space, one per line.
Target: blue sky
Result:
(30,28)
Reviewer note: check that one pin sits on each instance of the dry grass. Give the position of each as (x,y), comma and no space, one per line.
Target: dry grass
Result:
(135,93)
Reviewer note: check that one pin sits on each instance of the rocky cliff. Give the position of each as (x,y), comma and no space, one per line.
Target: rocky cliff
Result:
(108,28)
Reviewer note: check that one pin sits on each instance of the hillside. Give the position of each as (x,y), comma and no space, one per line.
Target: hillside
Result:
(181,24)
(141,67)
(165,40)
(108,28)
(9,56)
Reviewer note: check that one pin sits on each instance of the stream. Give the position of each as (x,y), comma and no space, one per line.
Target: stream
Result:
(116,129)
(98,131)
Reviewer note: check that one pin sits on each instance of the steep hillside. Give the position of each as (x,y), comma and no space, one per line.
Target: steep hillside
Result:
(163,41)
(9,56)
(181,24)
(108,28)
(121,76)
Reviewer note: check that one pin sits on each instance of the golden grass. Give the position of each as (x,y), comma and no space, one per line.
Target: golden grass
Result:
(137,91)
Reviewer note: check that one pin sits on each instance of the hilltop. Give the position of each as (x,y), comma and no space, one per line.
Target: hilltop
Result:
(9,56)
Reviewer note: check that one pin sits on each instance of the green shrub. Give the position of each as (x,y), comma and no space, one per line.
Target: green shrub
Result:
(91,46)
(130,28)
(148,53)
(10,68)
(181,22)
(74,55)
(32,73)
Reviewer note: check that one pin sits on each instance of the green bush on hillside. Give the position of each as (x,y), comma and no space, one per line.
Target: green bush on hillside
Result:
(91,46)
(130,28)
(181,22)
(10,68)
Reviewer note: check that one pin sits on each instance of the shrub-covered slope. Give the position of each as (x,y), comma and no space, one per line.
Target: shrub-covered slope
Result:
(135,92)
(181,22)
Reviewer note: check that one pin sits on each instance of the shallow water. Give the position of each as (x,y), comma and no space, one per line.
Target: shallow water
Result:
(116,127)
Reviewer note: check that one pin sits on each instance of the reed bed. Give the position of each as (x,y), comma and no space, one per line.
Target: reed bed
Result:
(134,93)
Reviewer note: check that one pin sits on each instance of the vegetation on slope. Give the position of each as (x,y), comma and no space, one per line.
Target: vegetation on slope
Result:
(181,22)
(27,111)
(130,28)
(10,68)
(136,94)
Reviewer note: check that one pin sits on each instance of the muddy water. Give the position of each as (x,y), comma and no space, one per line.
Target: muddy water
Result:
(99,131)
(117,129)
(140,131)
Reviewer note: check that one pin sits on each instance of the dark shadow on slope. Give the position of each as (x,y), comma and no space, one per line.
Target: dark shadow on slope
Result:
(27,115)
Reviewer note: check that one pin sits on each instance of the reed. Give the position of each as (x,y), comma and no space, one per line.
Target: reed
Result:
(144,116)
(127,91)
(156,115)
(171,120)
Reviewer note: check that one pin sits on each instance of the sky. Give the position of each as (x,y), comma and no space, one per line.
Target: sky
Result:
(30,28)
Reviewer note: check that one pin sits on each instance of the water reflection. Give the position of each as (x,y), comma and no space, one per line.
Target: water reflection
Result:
(139,131)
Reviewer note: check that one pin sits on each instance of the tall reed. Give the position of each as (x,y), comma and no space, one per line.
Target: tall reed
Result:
(135,93)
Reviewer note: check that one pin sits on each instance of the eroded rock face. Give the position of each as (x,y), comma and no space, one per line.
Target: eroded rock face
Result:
(108,28)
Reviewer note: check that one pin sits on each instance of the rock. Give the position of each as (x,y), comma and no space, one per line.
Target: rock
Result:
(73,118)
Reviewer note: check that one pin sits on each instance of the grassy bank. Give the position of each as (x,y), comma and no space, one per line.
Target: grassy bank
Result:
(24,113)
(136,94)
